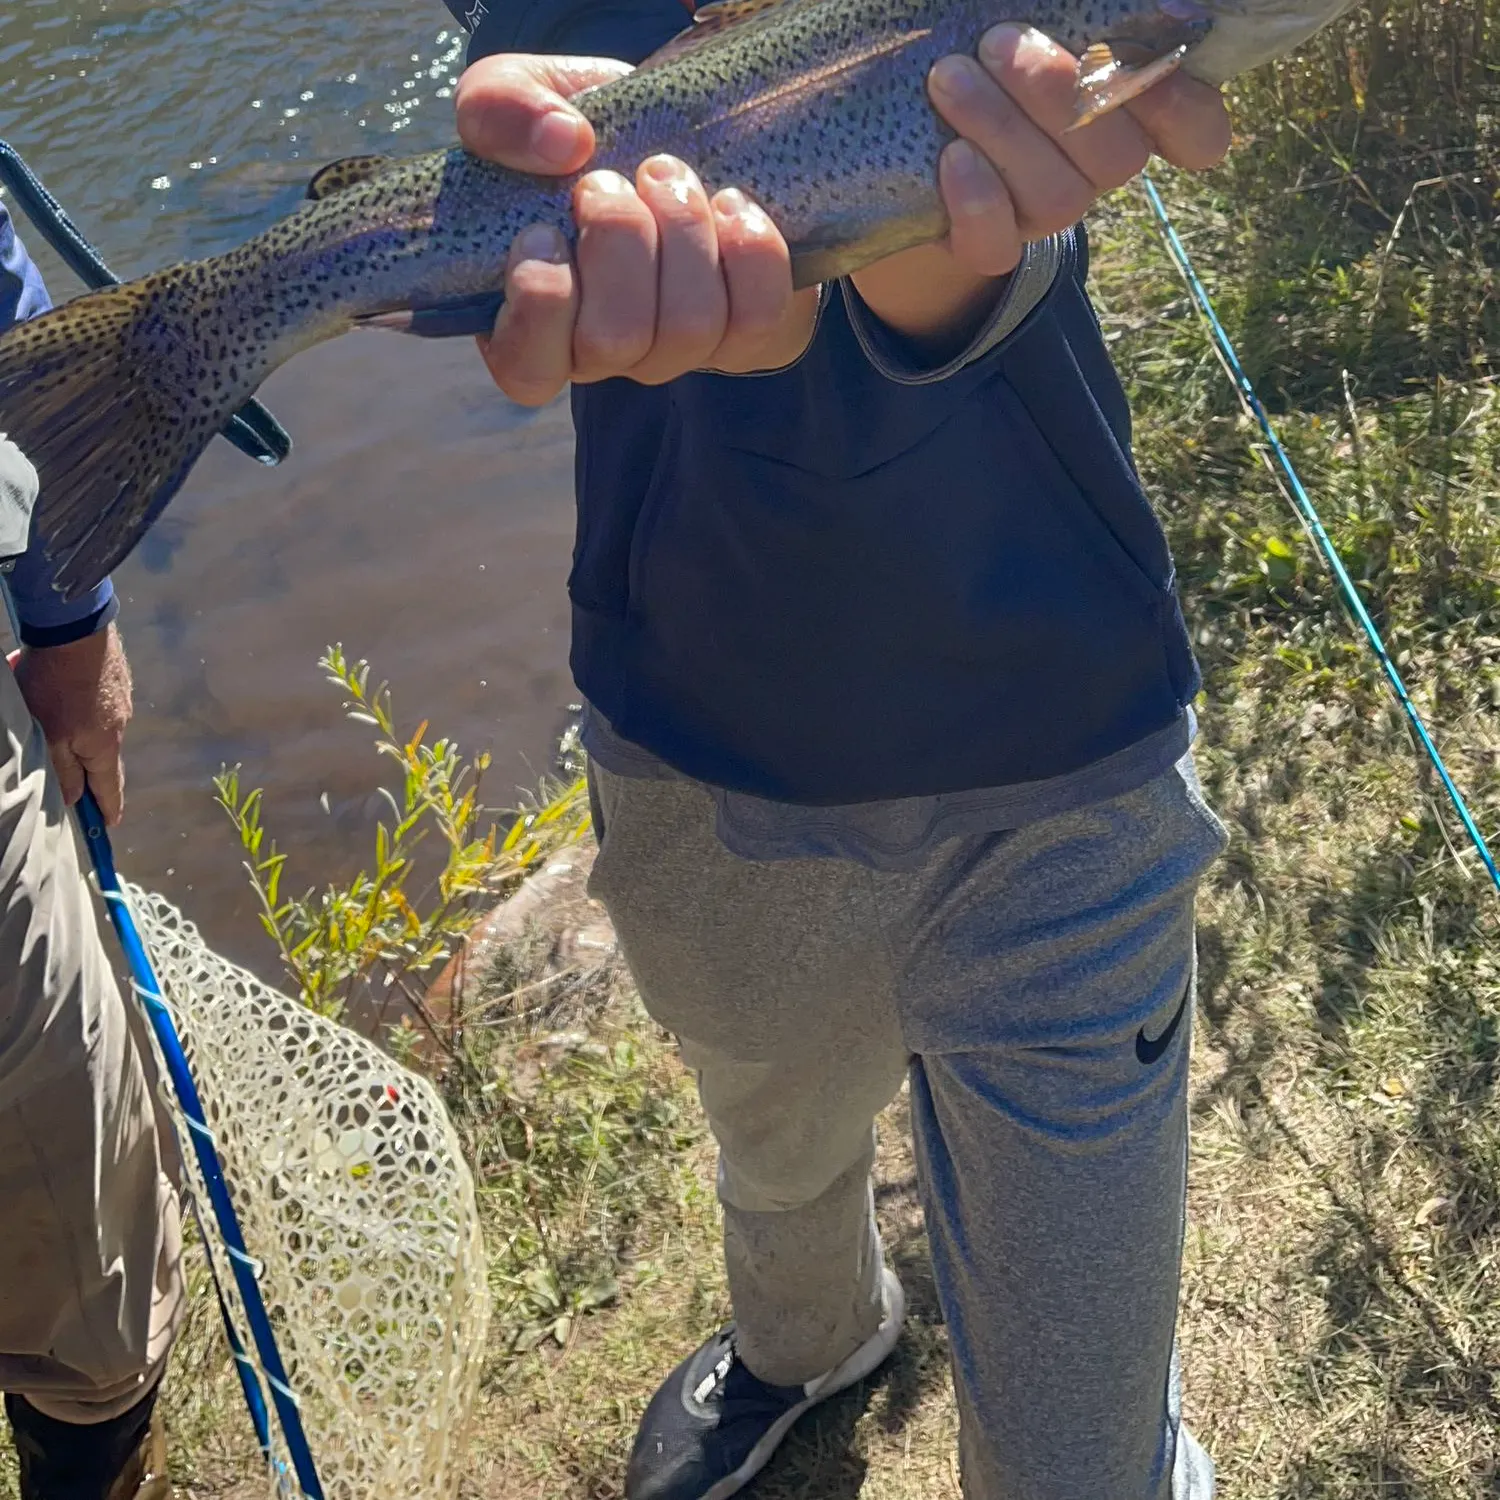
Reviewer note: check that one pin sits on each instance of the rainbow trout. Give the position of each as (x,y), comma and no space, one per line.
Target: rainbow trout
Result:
(815,108)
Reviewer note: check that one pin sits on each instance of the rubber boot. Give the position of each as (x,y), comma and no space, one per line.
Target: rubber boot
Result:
(121,1459)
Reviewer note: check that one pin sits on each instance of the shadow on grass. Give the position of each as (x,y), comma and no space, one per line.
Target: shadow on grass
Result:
(1416,1322)
(1355,1471)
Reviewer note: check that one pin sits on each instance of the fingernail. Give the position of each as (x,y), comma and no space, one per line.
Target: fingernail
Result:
(538,242)
(953,78)
(668,172)
(1002,44)
(555,137)
(663,168)
(733,204)
(611,184)
(1034,48)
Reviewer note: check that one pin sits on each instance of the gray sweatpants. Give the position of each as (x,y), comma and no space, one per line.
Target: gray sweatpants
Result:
(1036,987)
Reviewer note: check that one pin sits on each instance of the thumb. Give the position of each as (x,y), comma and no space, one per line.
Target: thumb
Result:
(513,109)
(106,779)
(70,773)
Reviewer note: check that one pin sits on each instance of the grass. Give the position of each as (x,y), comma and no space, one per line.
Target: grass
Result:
(1341,1300)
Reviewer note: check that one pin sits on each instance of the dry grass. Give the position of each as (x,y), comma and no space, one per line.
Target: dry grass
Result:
(1340,1310)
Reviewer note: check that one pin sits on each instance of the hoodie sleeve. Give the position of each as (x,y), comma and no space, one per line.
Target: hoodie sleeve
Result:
(45,619)
(627,29)
(1027,288)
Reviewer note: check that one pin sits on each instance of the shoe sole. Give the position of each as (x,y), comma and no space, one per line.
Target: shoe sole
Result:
(864,1361)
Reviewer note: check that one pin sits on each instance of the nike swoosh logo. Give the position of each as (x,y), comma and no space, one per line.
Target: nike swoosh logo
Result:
(1148,1051)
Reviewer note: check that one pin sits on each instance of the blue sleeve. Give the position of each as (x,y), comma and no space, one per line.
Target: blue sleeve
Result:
(22,294)
(45,619)
(628,29)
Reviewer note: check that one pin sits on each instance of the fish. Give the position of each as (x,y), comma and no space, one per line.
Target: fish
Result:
(816,109)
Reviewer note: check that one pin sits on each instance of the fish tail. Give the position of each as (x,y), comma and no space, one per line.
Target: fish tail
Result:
(113,397)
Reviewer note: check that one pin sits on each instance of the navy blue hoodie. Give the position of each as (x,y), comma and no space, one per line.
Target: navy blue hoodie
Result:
(825,585)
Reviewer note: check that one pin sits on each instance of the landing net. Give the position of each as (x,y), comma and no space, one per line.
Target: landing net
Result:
(356,1205)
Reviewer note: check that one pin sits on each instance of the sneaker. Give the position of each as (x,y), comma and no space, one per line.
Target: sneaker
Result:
(122,1459)
(712,1426)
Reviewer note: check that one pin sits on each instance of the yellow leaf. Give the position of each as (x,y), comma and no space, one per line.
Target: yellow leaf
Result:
(413,921)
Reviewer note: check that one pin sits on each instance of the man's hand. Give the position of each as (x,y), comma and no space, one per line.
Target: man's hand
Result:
(80,695)
(667,281)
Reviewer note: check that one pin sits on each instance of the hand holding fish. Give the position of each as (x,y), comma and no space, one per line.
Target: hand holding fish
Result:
(665,280)
(1019,173)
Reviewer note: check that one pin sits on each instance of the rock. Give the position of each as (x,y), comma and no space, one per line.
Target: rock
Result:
(552,906)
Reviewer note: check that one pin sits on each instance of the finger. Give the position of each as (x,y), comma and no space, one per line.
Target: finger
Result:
(982,233)
(769,322)
(692,306)
(530,351)
(1047,191)
(1185,120)
(513,109)
(617,249)
(1042,79)
(69,770)
(106,780)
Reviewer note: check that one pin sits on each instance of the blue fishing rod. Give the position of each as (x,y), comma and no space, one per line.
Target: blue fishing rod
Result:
(1308,514)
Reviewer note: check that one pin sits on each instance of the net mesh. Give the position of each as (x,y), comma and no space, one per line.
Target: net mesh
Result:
(354,1197)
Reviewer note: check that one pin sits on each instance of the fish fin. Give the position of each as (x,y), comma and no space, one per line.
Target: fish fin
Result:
(1098,59)
(1105,87)
(708,22)
(464,316)
(110,401)
(346,172)
(722,13)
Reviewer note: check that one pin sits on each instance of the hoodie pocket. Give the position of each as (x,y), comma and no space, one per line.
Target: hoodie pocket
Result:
(665,482)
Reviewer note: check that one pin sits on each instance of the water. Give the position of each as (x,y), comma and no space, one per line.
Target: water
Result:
(422,521)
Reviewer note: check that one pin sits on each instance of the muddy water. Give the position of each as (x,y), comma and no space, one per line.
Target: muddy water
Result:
(422,521)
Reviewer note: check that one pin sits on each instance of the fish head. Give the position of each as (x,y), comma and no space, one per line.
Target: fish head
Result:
(1133,44)
(1242,34)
